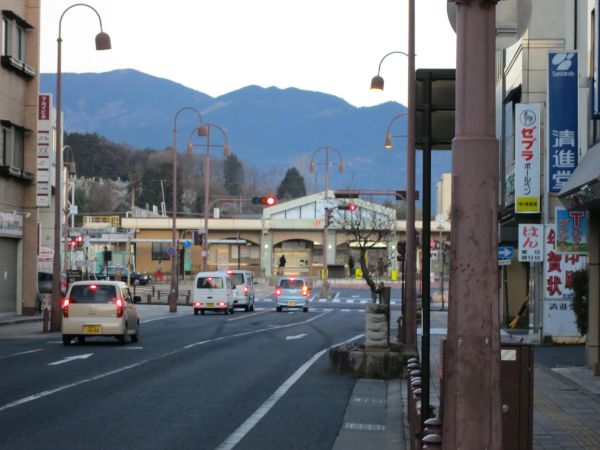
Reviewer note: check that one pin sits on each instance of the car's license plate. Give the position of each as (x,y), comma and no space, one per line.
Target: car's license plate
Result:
(291,303)
(92,329)
(210,305)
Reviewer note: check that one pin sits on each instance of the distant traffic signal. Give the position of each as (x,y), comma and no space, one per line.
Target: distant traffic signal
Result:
(79,241)
(348,207)
(72,243)
(328,217)
(268,200)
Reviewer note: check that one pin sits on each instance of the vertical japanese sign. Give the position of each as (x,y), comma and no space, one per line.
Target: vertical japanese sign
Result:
(572,231)
(527,158)
(559,318)
(531,242)
(44,151)
(562,118)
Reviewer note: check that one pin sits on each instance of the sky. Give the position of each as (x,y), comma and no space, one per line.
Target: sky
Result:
(219,46)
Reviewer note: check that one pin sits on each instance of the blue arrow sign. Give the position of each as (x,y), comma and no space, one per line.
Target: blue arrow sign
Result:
(505,252)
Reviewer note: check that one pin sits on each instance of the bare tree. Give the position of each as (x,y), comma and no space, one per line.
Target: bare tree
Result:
(367,226)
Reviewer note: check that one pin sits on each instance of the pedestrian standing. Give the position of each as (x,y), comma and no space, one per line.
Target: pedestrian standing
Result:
(282,262)
(351,266)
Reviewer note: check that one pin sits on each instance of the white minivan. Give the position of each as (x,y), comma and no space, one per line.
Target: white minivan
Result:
(213,291)
(243,288)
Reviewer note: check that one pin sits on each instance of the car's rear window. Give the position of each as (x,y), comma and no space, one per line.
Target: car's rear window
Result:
(237,278)
(93,293)
(209,283)
(291,284)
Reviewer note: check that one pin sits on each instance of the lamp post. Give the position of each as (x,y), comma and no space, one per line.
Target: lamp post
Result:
(206,132)
(174,290)
(326,149)
(102,43)
(388,133)
(410,337)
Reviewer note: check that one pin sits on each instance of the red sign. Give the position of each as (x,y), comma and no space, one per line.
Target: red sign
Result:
(44,107)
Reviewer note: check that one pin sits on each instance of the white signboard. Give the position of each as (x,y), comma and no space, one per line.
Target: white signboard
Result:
(527,158)
(559,318)
(44,151)
(531,242)
(11,225)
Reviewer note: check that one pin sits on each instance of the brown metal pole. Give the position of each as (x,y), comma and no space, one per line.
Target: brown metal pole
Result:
(472,412)
(410,320)
(206,188)
(174,292)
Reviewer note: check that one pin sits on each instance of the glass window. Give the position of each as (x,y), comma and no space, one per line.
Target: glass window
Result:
(291,284)
(6,37)
(93,293)
(159,250)
(18,148)
(4,147)
(237,278)
(209,283)
(21,44)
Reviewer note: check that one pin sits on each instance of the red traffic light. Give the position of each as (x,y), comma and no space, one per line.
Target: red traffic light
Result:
(348,207)
(268,200)
(352,207)
(72,244)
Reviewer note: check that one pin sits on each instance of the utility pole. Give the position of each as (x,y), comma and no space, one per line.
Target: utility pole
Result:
(472,402)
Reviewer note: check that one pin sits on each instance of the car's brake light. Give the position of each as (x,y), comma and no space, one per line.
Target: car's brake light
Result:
(305,292)
(198,304)
(222,304)
(119,303)
(65,307)
(277,291)
(229,272)
(245,289)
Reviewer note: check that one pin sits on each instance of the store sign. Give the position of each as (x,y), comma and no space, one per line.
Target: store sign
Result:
(562,118)
(531,242)
(527,158)
(559,318)
(44,151)
(11,224)
(572,231)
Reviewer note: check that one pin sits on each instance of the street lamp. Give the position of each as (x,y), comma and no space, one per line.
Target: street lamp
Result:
(326,149)
(102,43)
(388,133)
(377,83)
(174,291)
(206,132)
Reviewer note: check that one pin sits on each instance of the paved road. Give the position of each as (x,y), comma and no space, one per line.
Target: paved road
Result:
(250,380)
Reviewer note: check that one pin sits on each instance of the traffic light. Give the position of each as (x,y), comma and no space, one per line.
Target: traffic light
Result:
(401,247)
(328,217)
(79,241)
(268,200)
(348,207)
(72,243)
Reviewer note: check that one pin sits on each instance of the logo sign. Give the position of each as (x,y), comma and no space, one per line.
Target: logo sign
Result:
(527,158)
(505,252)
(571,231)
(531,242)
(562,118)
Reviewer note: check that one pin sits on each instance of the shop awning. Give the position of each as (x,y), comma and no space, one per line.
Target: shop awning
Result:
(583,188)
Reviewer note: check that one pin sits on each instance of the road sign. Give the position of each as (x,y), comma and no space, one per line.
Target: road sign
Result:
(505,252)
(187,244)
(504,262)
(170,250)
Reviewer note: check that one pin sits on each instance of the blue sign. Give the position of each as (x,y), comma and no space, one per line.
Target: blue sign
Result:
(505,252)
(562,118)
(170,250)
(187,244)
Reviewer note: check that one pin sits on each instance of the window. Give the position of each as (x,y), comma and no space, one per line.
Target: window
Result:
(159,250)
(6,37)
(13,146)
(209,283)
(14,44)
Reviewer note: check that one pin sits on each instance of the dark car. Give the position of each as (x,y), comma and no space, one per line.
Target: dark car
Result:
(110,273)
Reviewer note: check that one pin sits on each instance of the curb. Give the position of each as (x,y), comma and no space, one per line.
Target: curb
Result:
(14,321)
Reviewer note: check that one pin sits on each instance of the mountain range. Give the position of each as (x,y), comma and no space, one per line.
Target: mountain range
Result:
(271,129)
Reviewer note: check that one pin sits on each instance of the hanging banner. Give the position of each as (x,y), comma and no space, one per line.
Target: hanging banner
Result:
(527,158)
(45,163)
(562,118)
(559,318)
(572,231)
(531,242)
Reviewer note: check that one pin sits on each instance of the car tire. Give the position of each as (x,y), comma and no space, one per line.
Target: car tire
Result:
(121,338)
(136,337)
(81,339)
(232,310)
(246,308)
(305,309)
(252,307)
(202,311)
(66,339)
(278,308)
(226,311)
(196,312)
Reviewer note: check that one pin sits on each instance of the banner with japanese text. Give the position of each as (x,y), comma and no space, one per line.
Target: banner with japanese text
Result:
(559,318)
(572,231)
(562,123)
(45,158)
(527,158)
(531,242)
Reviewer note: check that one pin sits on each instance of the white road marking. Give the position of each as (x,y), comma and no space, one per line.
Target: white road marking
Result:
(298,336)
(246,316)
(362,302)
(346,310)
(349,301)
(130,348)
(48,392)
(22,353)
(70,358)
(163,318)
(322,300)
(336,300)
(234,438)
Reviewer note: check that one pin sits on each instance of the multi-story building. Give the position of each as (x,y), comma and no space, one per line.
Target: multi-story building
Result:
(547,125)
(19,63)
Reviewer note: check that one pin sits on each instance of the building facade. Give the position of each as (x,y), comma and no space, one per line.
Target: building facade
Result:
(18,155)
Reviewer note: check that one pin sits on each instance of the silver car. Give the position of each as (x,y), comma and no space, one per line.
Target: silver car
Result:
(292,292)
(100,308)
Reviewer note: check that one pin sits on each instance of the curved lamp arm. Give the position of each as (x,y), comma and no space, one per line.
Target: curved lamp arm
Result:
(204,130)
(377,80)
(326,148)
(102,38)
(388,134)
